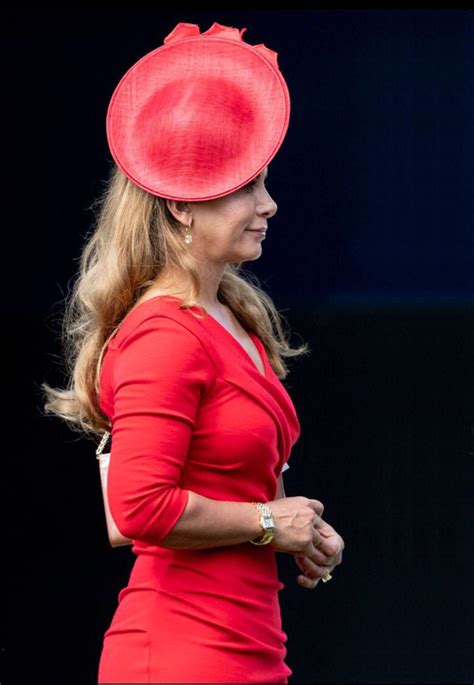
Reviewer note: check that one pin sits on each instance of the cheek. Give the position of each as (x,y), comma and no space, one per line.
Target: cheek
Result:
(234,229)
(241,210)
(228,224)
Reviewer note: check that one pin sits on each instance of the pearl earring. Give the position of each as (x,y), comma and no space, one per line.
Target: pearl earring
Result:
(188,238)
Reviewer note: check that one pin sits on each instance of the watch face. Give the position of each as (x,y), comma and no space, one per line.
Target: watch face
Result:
(267,523)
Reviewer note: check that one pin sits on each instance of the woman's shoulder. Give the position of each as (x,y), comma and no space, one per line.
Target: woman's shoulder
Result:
(156,343)
(157,325)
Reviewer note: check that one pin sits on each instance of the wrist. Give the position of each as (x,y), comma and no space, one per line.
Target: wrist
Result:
(266,523)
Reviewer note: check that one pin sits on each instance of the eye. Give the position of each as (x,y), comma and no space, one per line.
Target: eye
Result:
(250,186)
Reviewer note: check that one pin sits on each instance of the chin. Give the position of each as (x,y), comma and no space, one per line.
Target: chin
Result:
(247,257)
(252,258)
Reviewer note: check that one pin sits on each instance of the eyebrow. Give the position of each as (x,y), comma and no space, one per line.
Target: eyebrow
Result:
(260,175)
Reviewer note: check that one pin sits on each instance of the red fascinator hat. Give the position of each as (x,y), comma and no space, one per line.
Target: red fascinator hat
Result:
(200,116)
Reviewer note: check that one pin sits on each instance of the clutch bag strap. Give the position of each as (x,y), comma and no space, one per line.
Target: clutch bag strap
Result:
(116,538)
(102,444)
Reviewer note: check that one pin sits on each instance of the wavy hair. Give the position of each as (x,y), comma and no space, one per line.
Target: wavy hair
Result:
(135,238)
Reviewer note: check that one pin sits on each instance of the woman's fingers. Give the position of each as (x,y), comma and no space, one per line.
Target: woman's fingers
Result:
(330,534)
(326,540)
(317,506)
(320,558)
(309,583)
(312,569)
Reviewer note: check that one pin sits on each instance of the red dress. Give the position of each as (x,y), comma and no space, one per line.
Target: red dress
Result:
(191,411)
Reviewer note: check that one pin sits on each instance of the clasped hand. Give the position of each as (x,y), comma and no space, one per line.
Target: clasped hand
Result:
(328,555)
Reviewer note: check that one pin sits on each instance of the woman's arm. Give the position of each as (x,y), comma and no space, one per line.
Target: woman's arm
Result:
(210,523)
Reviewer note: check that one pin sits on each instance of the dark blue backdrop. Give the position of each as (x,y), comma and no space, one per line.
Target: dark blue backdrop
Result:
(375,178)
(369,257)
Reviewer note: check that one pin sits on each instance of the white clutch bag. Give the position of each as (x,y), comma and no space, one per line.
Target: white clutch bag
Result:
(116,538)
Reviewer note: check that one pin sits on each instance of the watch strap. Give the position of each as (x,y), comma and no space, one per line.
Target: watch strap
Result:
(267,535)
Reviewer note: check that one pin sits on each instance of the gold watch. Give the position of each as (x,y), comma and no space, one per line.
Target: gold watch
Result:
(267,523)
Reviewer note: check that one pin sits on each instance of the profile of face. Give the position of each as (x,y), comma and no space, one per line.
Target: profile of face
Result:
(229,229)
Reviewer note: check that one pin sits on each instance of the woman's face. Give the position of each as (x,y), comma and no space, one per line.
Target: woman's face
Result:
(226,229)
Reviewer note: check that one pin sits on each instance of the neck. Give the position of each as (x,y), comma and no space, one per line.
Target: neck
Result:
(178,283)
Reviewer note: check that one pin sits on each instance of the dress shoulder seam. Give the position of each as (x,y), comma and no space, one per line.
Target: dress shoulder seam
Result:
(181,324)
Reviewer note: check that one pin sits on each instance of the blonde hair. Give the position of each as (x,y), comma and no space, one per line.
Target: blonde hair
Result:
(135,238)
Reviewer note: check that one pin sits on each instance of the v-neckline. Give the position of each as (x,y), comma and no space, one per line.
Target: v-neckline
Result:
(255,339)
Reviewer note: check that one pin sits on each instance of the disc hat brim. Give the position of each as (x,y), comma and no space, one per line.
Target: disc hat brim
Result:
(200,116)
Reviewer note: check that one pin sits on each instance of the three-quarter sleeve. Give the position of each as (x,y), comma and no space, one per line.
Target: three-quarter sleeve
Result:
(161,373)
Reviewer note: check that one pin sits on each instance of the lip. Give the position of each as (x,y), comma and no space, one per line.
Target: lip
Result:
(262,231)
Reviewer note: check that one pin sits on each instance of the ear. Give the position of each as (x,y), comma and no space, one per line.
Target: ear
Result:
(181,211)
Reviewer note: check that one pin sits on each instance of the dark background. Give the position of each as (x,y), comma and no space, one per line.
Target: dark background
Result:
(369,259)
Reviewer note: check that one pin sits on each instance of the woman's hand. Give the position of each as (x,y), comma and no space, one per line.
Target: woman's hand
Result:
(326,557)
(296,520)
(301,531)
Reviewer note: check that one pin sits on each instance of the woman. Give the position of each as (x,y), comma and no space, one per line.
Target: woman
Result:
(181,357)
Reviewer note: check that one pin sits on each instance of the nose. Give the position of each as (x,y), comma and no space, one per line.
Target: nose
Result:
(267,205)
